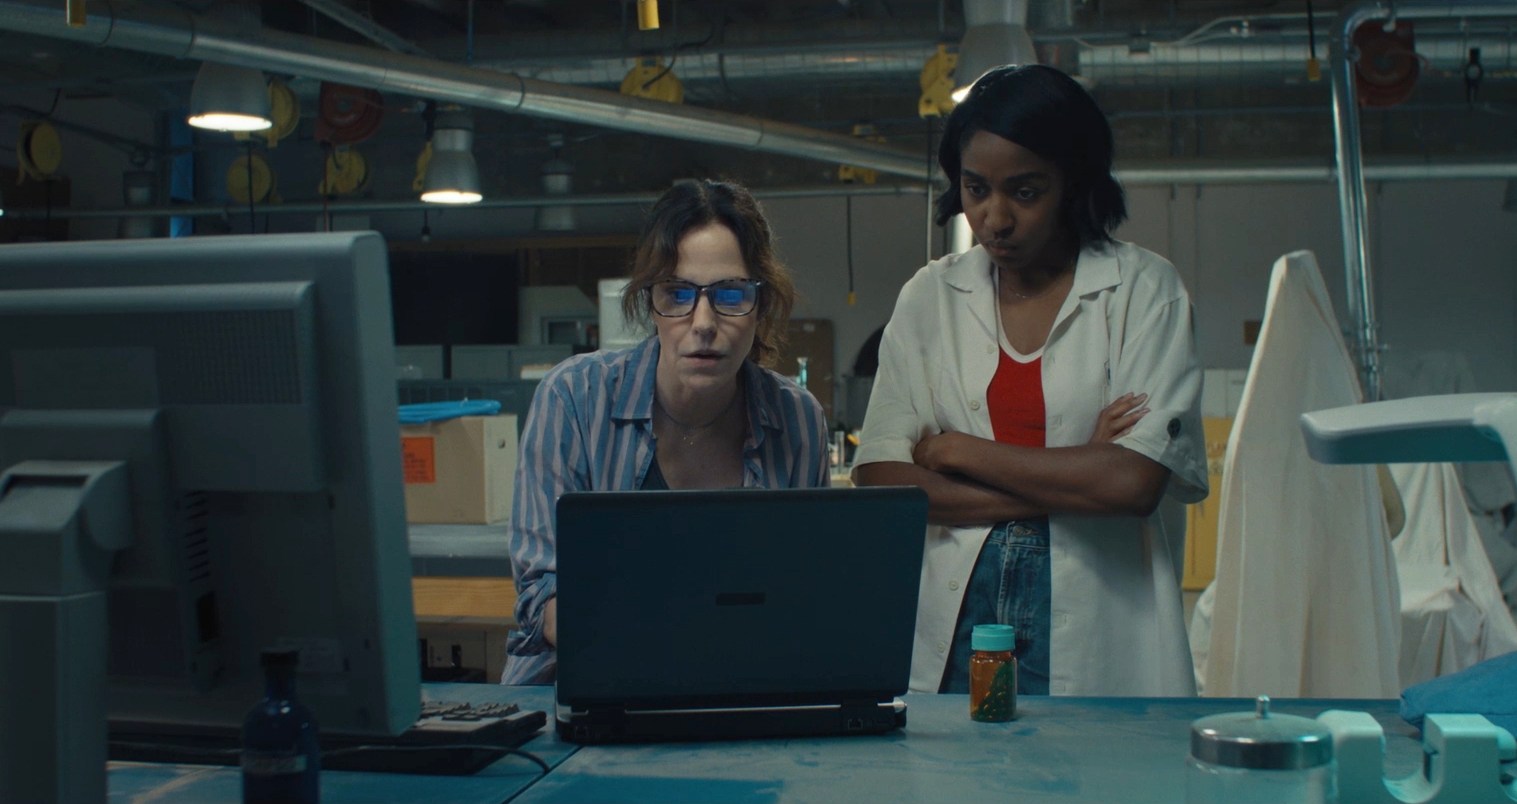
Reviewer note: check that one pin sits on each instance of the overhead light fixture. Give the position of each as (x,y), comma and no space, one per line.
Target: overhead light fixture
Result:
(137,190)
(228,98)
(452,174)
(558,180)
(995,33)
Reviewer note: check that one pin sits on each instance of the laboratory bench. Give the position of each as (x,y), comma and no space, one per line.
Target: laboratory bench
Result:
(1105,750)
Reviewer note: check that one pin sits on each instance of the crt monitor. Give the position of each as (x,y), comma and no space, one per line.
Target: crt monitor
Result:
(247,384)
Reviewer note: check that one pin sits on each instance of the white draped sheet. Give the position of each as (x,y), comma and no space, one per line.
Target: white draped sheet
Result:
(1306,598)
(1452,611)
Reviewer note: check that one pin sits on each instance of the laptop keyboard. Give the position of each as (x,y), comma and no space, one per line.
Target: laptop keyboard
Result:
(450,738)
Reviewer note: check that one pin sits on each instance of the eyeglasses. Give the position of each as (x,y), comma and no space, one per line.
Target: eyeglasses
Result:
(676,298)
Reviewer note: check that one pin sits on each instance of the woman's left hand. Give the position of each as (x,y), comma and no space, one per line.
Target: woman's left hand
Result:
(1117,419)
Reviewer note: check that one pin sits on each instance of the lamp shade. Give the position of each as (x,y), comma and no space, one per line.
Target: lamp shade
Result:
(558,179)
(228,98)
(986,47)
(995,33)
(452,173)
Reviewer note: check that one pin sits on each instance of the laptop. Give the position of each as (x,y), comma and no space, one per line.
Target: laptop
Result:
(698,615)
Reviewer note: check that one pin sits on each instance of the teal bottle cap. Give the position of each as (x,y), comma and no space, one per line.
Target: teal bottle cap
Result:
(993,637)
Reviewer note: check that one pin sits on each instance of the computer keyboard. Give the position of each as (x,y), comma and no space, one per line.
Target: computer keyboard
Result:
(450,738)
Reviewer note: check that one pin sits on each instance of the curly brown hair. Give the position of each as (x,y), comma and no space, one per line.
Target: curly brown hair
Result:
(691,204)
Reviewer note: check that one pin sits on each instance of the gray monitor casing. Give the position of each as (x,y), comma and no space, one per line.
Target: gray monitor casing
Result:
(256,376)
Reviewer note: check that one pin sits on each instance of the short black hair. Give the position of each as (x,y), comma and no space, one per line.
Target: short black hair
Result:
(1050,114)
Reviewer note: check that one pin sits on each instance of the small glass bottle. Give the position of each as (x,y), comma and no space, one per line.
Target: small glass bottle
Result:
(1260,757)
(281,758)
(993,673)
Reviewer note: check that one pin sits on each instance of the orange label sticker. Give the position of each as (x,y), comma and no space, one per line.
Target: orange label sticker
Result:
(418,459)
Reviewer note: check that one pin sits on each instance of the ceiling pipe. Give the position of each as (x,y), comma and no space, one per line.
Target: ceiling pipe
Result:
(365,27)
(170,33)
(338,207)
(1353,206)
(1263,47)
(1143,175)
(894,51)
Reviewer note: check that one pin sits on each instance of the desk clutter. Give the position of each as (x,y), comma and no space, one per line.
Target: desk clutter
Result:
(1261,757)
(450,738)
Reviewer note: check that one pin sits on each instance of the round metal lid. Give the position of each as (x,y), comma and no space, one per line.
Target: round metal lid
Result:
(1261,740)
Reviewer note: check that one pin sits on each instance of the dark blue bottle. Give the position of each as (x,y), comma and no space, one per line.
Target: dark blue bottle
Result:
(281,759)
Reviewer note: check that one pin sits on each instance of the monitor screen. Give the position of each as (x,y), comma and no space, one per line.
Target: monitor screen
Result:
(248,385)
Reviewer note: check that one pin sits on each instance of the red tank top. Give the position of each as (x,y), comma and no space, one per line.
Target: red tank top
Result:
(1015,397)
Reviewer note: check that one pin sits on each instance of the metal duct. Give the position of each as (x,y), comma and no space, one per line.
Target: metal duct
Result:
(1256,48)
(1273,59)
(1255,61)
(193,37)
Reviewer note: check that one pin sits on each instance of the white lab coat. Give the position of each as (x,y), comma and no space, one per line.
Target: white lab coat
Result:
(1452,612)
(1306,596)
(1117,619)
(1488,487)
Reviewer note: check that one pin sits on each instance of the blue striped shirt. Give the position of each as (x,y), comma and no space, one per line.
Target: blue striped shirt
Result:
(590,428)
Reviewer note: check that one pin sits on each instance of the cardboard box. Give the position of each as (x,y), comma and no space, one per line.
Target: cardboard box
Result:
(459,471)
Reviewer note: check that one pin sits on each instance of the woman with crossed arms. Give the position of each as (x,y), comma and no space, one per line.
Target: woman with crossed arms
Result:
(1043,389)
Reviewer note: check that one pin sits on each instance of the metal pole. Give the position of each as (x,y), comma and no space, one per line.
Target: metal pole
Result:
(1352,202)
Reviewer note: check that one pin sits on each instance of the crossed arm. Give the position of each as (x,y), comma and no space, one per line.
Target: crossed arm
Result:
(972,480)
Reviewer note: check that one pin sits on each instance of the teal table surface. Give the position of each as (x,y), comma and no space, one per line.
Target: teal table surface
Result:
(138,783)
(1104,750)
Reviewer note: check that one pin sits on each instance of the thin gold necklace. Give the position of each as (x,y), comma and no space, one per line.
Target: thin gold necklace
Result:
(1044,292)
(1048,288)
(689,434)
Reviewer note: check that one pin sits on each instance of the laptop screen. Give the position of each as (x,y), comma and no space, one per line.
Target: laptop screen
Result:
(746,597)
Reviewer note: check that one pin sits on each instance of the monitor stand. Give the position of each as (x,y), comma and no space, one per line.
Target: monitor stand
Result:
(60,524)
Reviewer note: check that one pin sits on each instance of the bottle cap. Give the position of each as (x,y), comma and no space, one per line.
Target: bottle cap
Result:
(993,637)
(276,658)
(1261,740)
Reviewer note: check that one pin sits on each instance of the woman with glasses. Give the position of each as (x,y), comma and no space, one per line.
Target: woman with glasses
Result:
(1043,388)
(691,407)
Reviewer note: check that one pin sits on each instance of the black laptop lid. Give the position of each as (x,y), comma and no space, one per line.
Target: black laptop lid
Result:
(746,597)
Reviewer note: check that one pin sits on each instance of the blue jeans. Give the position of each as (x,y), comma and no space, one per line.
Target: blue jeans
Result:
(1010,586)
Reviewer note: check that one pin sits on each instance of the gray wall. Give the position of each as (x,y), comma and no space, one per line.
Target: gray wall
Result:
(1444,253)
(1444,256)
